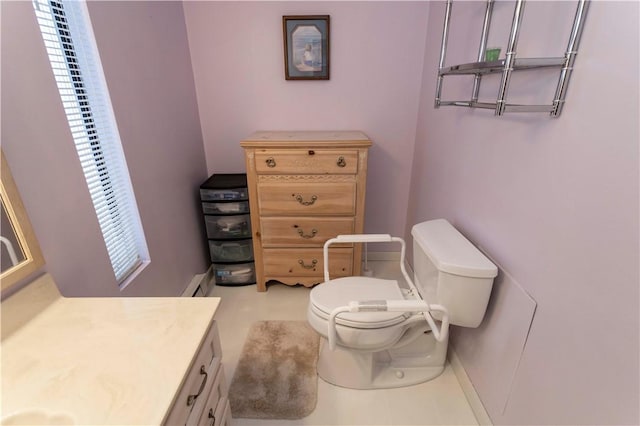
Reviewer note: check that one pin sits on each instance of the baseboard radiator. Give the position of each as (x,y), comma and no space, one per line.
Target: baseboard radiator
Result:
(200,285)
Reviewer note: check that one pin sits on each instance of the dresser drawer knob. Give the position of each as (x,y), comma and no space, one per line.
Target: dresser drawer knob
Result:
(192,398)
(305,266)
(271,162)
(305,203)
(314,231)
(341,162)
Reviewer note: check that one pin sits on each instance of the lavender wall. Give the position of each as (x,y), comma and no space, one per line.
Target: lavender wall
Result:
(144,51)
(376,66)
(555,203)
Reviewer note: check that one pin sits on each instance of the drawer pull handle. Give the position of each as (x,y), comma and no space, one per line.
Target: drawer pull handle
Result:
(313,264)
(212,417)
(192,398)
(341,162)
(271,162)
(314,231)
(306,203)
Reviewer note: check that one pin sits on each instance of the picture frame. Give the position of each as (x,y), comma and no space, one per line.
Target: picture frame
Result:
(306,47)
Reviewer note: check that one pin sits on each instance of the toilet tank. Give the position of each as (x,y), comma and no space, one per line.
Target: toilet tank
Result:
(450,271)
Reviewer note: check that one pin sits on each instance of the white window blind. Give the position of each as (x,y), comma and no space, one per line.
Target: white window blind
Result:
(70,43)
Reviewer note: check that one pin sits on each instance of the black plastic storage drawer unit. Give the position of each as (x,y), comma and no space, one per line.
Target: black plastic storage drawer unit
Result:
(225,205)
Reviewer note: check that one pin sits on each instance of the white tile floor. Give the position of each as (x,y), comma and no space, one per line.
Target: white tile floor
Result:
(437,402)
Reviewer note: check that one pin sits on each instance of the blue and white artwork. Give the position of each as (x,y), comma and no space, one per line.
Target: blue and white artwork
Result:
(307,48)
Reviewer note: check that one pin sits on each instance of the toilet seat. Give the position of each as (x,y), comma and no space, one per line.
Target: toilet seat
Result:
(339,292)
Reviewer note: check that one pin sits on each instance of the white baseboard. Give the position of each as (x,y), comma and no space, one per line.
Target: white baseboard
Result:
(467,387)
(382,255)
(200,285)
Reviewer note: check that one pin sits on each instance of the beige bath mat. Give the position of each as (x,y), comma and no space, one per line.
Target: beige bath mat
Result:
(276,375)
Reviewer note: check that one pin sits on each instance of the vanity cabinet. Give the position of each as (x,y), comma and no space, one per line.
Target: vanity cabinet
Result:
(202,399)
(305,188)
(110,360)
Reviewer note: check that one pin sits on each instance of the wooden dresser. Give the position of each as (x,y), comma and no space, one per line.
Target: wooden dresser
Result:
(304,188)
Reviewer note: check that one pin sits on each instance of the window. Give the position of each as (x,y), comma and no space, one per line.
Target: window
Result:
(70,43)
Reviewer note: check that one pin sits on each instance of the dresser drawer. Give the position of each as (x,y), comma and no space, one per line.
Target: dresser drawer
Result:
(310,198)
(307,262)
(303,231)
(307,161)
(190,399)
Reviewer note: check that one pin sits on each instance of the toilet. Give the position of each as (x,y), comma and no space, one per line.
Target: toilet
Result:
(379,334)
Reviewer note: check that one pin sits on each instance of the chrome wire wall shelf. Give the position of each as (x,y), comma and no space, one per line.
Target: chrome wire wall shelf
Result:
(510,64)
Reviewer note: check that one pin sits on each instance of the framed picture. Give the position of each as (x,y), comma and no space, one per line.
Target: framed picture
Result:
(306,47)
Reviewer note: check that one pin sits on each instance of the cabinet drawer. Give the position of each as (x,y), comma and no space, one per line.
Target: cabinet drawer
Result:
(190,399)
(224,410)
(296,199)
(307,262)
(231,251)
(220,417)
(223,194)
(238,226)
(213,412)
(242,273)
(302,231)
(226,208)
(307,161)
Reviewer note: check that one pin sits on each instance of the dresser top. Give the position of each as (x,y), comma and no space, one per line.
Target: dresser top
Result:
(320,138)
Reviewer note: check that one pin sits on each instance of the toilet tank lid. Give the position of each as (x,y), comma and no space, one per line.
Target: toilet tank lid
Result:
(450,251)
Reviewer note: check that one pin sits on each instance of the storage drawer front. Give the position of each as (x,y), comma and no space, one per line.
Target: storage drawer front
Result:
(231,251)
(213,412)
(238,226)
(243,273)
(226,208)
(224,194)
(307,262)
(302,231)
(295,199)
(307,161)
(185,409)
(223,418)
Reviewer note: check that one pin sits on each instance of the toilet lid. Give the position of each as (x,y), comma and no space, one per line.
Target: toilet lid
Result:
(332,294)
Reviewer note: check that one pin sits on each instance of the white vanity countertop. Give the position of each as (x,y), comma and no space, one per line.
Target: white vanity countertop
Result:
(97,360)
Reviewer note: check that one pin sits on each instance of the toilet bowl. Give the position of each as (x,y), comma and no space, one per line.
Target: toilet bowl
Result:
(364,331)
(377,333)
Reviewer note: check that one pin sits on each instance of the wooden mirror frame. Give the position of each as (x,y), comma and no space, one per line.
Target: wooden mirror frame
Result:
(22,227)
